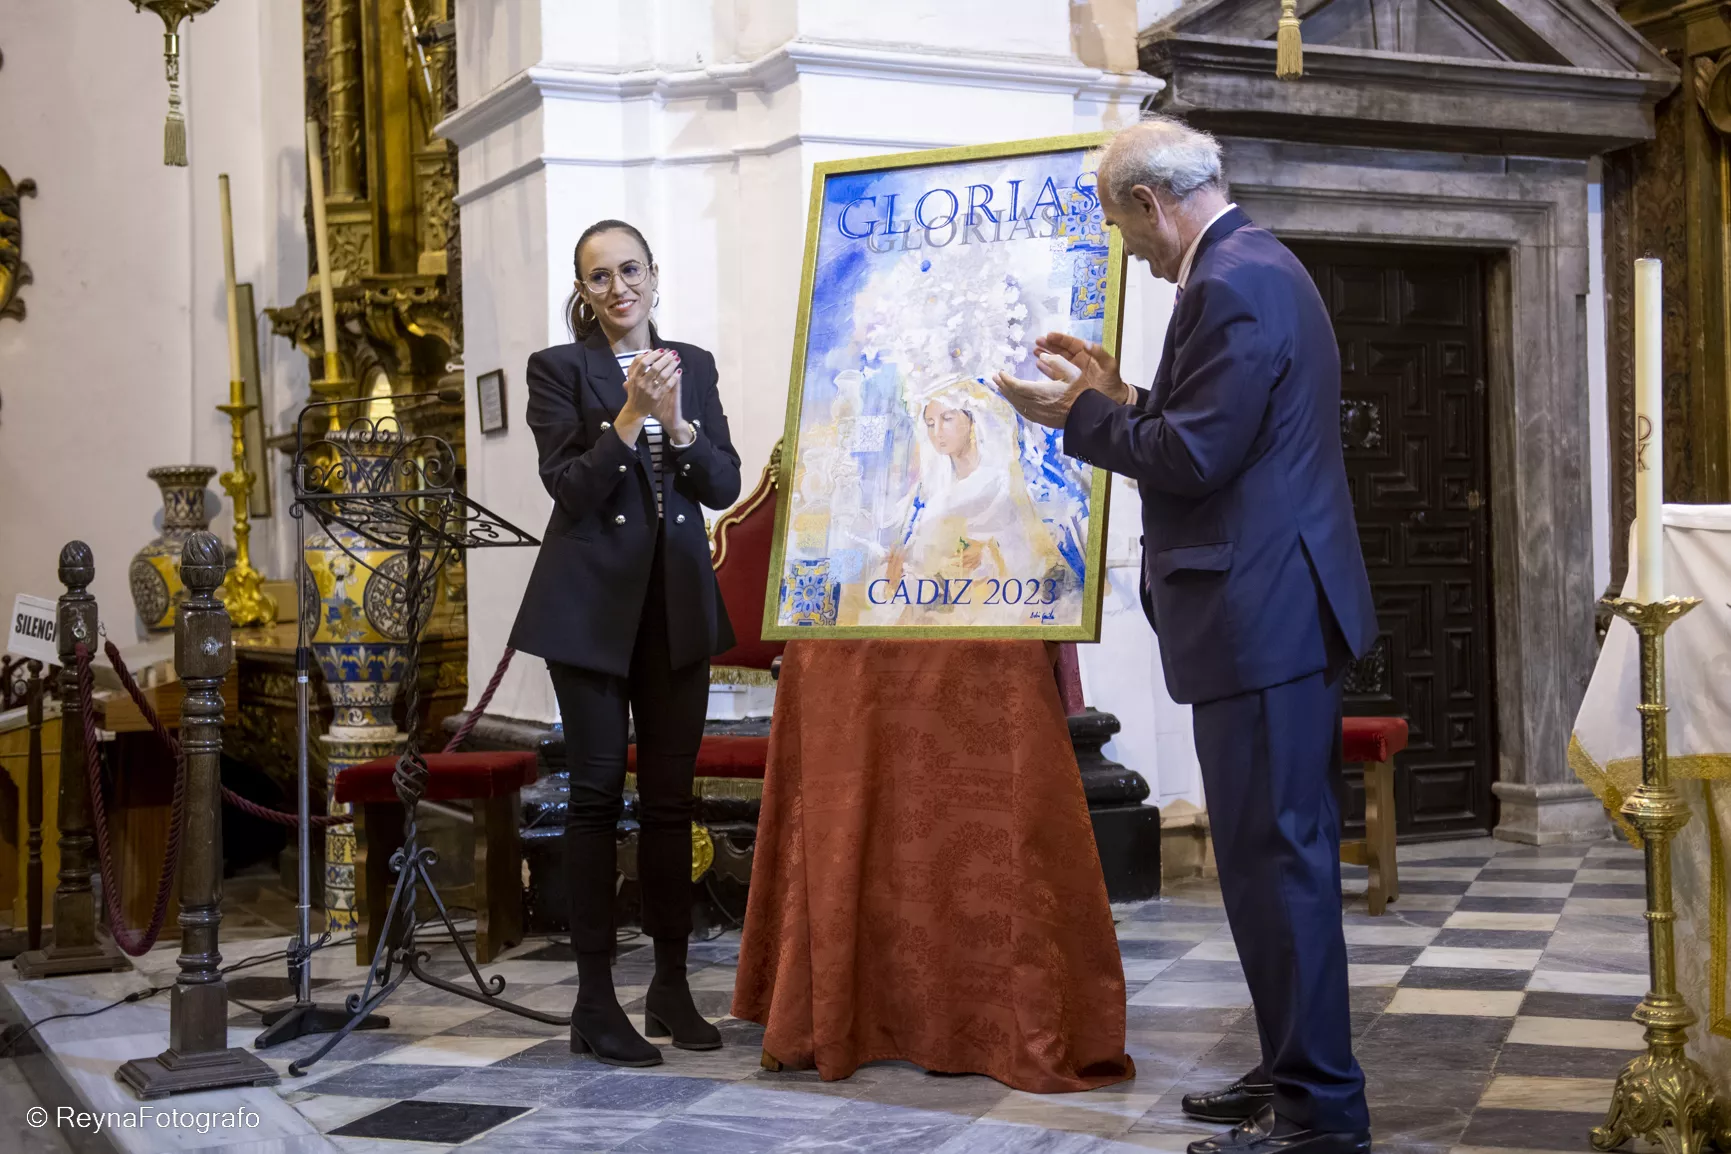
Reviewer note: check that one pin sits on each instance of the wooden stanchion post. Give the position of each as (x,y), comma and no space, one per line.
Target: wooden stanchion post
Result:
(198,1055)
(76,948)
(33,805)
(27,676)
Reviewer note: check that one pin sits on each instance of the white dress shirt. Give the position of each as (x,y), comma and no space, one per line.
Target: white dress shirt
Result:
(1195,242)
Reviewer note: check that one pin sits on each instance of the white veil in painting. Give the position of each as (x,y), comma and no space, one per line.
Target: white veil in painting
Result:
(968,514)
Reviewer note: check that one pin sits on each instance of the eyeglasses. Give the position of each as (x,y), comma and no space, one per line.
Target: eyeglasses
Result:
(631,274)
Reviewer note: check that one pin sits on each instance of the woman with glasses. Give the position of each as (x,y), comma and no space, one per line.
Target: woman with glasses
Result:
(624,607)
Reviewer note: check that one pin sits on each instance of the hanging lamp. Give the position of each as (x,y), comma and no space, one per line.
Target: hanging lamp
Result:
(172,13)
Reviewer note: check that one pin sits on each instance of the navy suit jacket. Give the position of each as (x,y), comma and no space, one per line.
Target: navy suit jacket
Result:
(1249,540)
(586,593)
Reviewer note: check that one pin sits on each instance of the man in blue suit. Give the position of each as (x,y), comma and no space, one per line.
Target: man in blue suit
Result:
(1253,579)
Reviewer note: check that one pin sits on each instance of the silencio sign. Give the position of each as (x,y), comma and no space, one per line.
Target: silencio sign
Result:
(32,632)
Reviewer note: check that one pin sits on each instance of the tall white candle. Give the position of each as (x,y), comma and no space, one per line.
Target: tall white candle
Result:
(322,246)
(234,382)
(1649,433)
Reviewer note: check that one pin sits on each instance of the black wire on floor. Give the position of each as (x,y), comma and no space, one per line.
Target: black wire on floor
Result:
(732,923)
(18,1035)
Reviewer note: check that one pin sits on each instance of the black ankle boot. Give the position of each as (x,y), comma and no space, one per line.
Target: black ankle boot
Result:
(598,1025)
(668,1011)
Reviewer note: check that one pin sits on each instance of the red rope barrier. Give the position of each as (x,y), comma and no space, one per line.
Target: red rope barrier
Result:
(136,943)
(228,795)
(468,725)
(277,816)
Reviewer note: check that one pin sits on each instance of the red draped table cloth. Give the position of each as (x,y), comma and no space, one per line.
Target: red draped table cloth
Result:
(925,885)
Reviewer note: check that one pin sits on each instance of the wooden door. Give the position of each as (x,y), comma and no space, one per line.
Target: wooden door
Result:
(1411,327)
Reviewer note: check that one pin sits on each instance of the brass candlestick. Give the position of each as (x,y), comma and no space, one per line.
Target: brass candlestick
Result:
(243,592)
(333,387)
(1662,1096)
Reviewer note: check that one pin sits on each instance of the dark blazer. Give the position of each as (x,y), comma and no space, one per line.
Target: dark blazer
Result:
(1248,530)
(586,593)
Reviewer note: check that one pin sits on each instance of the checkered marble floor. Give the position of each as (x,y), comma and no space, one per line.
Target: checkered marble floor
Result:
(1490,1005)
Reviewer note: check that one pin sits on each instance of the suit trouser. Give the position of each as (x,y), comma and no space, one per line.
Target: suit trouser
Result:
(1269,763)
(669,706)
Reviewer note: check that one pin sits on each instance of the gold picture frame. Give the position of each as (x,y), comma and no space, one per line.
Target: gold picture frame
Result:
(1007,507)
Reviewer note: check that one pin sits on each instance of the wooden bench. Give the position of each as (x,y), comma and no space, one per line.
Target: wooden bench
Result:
(491,782)
(1373,742)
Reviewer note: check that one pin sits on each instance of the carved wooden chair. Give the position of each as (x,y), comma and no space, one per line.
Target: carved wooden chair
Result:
(740,553)
(730,767)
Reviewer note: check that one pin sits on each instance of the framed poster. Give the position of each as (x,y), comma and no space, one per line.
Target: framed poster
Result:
(490,392)
(913,500)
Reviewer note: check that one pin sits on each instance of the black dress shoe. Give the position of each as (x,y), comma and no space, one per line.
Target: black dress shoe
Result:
(1258,1136)
(1237,1102)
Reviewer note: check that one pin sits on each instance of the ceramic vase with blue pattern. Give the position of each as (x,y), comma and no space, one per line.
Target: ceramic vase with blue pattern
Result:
(155,572)
(359,628)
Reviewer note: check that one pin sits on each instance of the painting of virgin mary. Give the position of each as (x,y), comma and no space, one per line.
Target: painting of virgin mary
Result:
(967,513)
(916,498)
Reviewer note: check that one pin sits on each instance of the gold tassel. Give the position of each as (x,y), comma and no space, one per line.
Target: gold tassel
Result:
(174,140)
(1288,47)
(174,131)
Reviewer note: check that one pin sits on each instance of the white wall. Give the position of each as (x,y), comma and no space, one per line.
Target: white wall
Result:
(700,120)
(123,353)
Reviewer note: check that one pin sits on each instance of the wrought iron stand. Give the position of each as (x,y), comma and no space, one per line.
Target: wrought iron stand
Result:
(408,502)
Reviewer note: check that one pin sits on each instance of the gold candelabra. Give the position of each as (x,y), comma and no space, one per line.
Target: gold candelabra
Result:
(1663,1096)
(243,592)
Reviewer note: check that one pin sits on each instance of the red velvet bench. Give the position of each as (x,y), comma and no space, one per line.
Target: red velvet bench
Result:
(1373,742)
(721,756)
(491,781)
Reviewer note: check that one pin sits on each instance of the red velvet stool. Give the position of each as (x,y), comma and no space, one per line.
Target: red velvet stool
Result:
(1373,742)
(491,782)
(723,755)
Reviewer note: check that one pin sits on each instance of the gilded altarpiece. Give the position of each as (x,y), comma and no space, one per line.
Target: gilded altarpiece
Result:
(380,75)
(1671,198)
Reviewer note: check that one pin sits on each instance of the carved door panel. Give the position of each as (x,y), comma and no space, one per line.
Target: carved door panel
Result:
(1413,421)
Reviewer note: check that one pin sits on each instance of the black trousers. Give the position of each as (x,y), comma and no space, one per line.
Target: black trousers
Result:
(669,706)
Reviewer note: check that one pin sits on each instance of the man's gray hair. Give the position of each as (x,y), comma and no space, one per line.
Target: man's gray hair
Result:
(1165,155)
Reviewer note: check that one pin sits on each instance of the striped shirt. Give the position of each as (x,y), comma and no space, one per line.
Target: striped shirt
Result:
(651,429)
